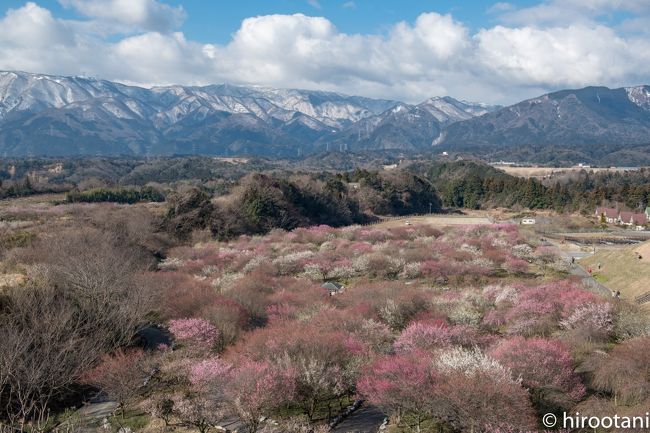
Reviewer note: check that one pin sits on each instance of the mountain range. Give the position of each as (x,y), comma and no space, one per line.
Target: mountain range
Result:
(62,116)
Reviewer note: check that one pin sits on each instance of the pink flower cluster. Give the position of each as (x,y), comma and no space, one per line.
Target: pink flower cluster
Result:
(194,331)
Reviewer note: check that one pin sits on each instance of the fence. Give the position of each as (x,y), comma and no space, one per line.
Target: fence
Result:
(642,299)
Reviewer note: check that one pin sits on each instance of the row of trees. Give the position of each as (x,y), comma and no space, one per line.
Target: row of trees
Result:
(260,202)
(467,184)
(116,195)
(474,185)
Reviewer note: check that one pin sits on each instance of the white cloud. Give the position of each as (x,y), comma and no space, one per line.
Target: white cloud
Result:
(315,4)
(567,12)
(501,7)
(573,56)
(148,15)
(33,27)
(349,5)
(435,55)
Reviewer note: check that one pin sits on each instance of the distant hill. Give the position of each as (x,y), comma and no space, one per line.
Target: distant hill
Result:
(594,124)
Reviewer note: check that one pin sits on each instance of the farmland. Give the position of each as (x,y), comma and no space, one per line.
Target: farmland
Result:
(551,172)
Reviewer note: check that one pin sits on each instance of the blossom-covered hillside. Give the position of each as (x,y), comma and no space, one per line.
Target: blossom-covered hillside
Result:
(463,329)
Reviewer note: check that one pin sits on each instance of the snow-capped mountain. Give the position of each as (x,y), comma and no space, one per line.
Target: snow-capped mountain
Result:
(35,92)
(53,115)
(448,110)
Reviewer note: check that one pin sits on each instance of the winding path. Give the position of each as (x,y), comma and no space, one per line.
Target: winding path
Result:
(587,279)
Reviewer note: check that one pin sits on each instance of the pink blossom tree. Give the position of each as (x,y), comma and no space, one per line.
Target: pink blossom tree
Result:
(545,366)
(196,334)
(257,389)
(424,336)
(208,371)
(120,375)
(404,384)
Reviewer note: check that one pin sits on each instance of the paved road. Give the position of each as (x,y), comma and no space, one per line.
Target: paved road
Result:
(367,419)
(586,277)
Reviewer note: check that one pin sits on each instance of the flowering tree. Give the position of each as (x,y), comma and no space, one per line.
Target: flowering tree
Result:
(545,366)
(539,309)
(422,335)
(208,371)
(198,411)
(436,334)
(319,358)
(197,334)
(516,266)
(120,375)
(596,319)
(500,403)
(404,384)
(257,388)
(161,406)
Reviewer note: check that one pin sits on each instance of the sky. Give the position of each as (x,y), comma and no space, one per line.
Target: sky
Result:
(410,50)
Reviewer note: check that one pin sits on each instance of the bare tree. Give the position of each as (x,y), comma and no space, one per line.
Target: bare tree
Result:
(42,350)
(84,300)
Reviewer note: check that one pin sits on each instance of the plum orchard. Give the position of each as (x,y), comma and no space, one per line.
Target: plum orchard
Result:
(425,319)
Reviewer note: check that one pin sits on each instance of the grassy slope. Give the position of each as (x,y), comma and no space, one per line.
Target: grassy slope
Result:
(622,270)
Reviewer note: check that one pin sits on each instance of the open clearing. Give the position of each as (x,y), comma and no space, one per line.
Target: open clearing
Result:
(40,199)
(622,270)
(437,220)
(541,172)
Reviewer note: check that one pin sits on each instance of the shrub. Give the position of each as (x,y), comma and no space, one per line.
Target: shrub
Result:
(624,373)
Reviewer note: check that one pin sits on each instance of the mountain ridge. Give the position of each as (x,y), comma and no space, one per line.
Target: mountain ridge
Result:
(44,114)
(53,115)
(591,122)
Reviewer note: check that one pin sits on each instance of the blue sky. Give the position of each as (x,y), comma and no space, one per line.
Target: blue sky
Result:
(486,50)
(215,20)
